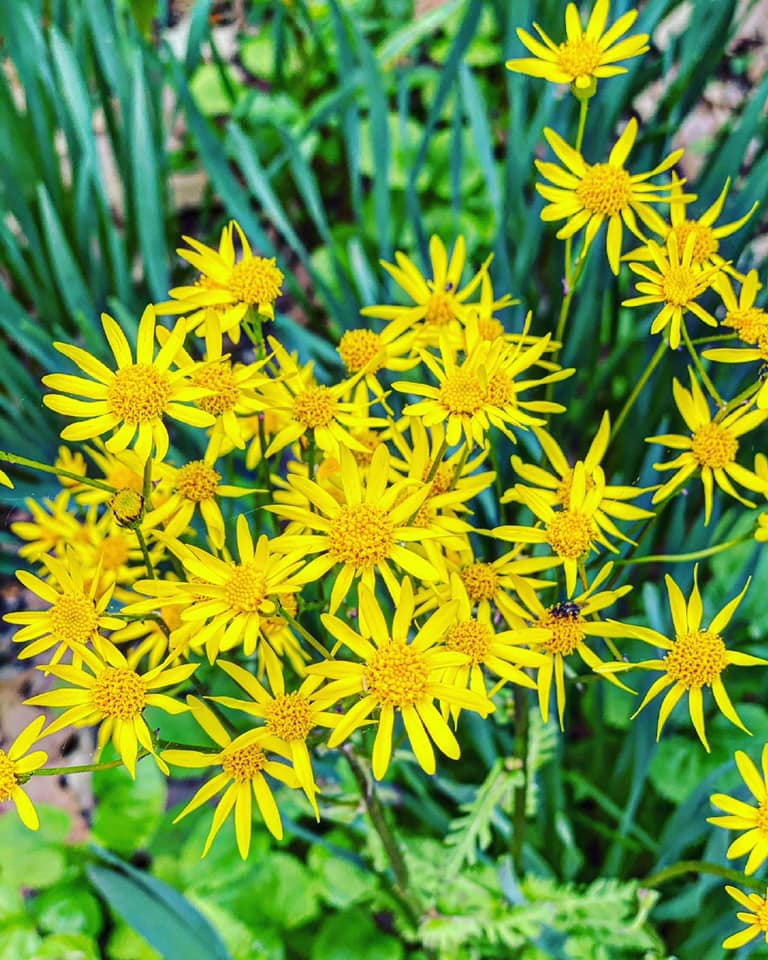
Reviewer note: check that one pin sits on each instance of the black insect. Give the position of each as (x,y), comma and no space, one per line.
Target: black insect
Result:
(566,608)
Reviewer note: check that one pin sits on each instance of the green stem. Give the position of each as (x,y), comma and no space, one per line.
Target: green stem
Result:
(438,459)
(145,553)
(700,368)
(375,810)
(702,866)
(7,457)
(739,400)
(521,790)
(460,464)
(583,111)
(685,557)
(637,389)
(315,644)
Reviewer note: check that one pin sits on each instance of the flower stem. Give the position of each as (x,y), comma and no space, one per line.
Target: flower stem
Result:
(521,790)
(685,557)
(739,400)
(700,368)
(315,644)
(6,457)
(145,553)
(638,388)
(702,866)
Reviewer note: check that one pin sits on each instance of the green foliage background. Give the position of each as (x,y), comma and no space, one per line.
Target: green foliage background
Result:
(360,130)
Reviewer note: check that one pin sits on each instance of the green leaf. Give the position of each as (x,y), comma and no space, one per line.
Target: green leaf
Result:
(69,946)
(11,903)
(399,43)
(243,943)
(125,944)
(343,882)
(210,92)
(351,935)
(41,852)
(128,811)
(68,909)
(19,940)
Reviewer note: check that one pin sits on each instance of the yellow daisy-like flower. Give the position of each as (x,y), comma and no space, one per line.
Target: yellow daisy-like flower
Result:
(363,351)
(555,488)
(588,195)
(675,283)
(587,55)
(439,304)
(291,717)
(244,761)
(73,462)
(121,471)
(15,769)
(756,918)
(113,694)
(397,677)
(369,528)
(695,658)
(743,816)
(563,628)
(225,599)
(706,236)
(482,391)
(52,525)
(132,401)
(571,532)
(230,286)
(76,613)
(711,447)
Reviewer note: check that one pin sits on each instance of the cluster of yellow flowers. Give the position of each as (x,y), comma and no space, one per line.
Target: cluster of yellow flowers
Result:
(356,502)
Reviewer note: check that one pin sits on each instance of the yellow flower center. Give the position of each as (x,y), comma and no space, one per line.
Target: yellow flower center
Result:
(570,534)
(244,764)
(127,505)
(697,659)
(359,348)
(138,394)
(442,480)
(361,535)
(74,618)
(713,446)
(256,281)
(471,638)
(705,243)
(462,393)
(565,622)
(490,328)
(579,58)
(440,310)
(219,378)
(761,821)
(119,692)
(246,589)
(115,552)
(500,392)
(680,285)
(290,603)
(397,675)
(197,481)
(750,323)
(370,440)
(290,717)
(8,781)
(605,189)
(481,581)
(315,407)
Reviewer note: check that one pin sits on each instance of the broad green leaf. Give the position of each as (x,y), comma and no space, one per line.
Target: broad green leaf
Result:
(69,946)
(128,811)
(352,934)
(67,908)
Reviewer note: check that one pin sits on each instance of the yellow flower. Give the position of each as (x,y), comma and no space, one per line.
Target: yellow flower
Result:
(121,471)
(397,676)
(438,304)
(370,528)
(695,658)
(711,448)
(571,532)
(244,761)
(291,717)
(587,55)
(15,768)
(562,629)
(676,283)
(230,286)
(588,195)
(743,816)
(555,488)
(706,236)
(5,480)
(75,613)
(756,918)
(112,694)
(132,401)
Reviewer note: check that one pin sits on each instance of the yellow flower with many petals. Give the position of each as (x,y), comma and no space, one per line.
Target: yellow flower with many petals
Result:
(588,55)
(132,401)
(694,658)
(15,769)
(589,195)
(743,816)
(676,283)
(113,694)
(229,285)
(244,761)
(756,918)
(396,676)
(710,449)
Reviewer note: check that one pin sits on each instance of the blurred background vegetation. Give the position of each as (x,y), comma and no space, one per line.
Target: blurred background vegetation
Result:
(336,133)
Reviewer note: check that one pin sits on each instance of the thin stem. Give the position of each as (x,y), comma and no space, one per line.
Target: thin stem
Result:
(521,790)
(145,553)
(702,866)
(147,487)
(7,457)
(460,464)
(700,368)
(638,388)
(438,459)
(315,644)
(583,111)
(685,557)
(739,400)
(375,810)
